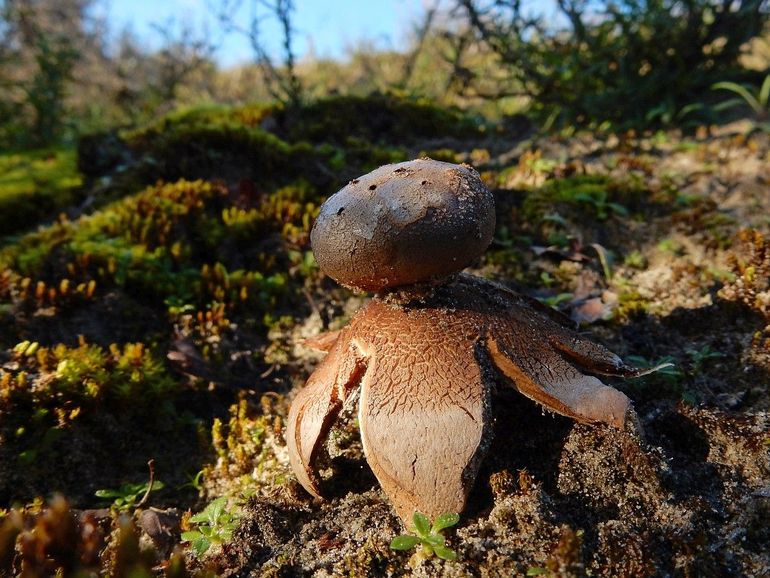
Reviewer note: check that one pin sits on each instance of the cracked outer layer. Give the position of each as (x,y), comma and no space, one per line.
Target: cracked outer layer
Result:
(405,223)
(426,370)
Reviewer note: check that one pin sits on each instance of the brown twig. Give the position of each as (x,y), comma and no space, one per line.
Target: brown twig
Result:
(151,466)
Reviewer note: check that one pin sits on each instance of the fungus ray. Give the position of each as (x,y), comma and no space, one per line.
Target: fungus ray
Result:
(317,406)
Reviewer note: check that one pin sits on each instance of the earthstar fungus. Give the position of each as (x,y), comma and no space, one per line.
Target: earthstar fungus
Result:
(425,352)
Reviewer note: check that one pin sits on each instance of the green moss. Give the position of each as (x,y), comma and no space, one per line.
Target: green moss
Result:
(62,382)
(326,143)
(380,118)
(34,185)
(631,305)
(250,115)
(208,145)
(444,155)
(48,392)
(145,242)
(249,451)
(596,196)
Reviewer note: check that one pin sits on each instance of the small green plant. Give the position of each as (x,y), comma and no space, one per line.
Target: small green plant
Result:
(700,357)
(601,203)
(758,101)
(127,496)
(214,525)
(665,367)
(194,481)
(555,300)
(635,260)
(669,245)
(430,538)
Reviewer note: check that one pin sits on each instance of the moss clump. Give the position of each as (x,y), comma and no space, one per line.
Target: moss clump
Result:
(631,305)
(249,115)
(289,210)
(158,244)
(325,144)
(146,243)
(34,185)
(379,118)
(250,456)
(594,196)
(211,146)
(71,408)
(44,391)
(750,264)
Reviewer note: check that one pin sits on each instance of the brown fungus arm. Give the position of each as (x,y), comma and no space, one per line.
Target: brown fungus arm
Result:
(556,327)
(423,410)
(549,364)
(317,406)
(559,386)
(323,341)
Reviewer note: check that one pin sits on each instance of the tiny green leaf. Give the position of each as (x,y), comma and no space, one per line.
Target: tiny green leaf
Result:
(537,571)
(190,536)
(434,539)
(200,517)
(421,523)
(214,509)
(445,520)
(404,542)
(445,553)
(618,208)
(200,546)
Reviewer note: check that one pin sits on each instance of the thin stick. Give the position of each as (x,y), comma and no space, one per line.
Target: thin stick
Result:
(151,465)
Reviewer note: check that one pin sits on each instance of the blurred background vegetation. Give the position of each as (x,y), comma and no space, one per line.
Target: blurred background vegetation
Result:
(610,64)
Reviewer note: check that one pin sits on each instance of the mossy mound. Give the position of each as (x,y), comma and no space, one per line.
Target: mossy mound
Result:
(34,185)
(379,118)
(77,408)
(327,142)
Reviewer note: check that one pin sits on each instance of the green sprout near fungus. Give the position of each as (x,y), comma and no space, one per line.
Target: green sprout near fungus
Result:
(429,537)
(214,525)
(127,496)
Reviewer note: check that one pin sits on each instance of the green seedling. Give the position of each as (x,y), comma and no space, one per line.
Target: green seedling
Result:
(430,538)
(635,260)
(756,99)
(601,204)
(214,525)
(127,496)
(672,246)
(663,367)
(555,300)
(702,356)
(194,481)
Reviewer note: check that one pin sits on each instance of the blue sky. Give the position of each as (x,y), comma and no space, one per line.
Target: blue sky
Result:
(329,26)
